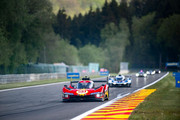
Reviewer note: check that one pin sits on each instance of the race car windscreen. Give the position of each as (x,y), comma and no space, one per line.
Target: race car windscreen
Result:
(85,85)
(119,78)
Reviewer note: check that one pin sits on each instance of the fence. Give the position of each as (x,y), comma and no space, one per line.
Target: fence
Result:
(33,72)
(42,68)
(55,68)
(14,78)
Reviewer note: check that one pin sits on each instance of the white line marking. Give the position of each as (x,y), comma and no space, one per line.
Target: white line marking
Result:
(115,99)
(32,86)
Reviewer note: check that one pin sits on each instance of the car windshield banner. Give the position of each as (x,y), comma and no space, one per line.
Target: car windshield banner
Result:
(73,75)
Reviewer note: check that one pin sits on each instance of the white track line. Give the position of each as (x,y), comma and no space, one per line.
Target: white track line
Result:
(115,99)
(32,86)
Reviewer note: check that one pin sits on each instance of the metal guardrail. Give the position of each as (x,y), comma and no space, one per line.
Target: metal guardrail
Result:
(15,78)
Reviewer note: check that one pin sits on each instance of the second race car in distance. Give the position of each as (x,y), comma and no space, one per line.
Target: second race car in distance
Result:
(150,72)
(141,74)
(119,80)
(85,90)
(157,71)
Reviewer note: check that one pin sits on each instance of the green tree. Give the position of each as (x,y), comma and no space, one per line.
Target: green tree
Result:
(168,37)
(90,53)
(62,24)
(23,23)
(144,39)
(13,20)
(57,50)
(40,23)
(116,41)
(5,50)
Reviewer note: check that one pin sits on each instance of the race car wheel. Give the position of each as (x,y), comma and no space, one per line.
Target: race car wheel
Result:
(107,96)
(102,100)
(64,100)
(129,85)
(110,85)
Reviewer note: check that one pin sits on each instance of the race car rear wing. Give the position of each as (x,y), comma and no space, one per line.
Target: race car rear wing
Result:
(96,81)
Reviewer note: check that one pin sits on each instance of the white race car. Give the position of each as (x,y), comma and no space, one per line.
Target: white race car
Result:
(150,72)
(157,71)
(141,74)
(119,80)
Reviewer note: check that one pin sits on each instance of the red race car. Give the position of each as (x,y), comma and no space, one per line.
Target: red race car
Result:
(85,90)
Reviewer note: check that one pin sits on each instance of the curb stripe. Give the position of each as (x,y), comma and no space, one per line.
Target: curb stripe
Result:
(122,108)
(120,96)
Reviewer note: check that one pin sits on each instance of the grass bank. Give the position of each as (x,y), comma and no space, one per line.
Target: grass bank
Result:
(164,104)
(33,83)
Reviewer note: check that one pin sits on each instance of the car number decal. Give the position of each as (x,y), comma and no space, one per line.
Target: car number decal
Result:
(82,92)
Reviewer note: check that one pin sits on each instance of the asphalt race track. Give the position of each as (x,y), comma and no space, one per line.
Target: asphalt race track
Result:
(45,103)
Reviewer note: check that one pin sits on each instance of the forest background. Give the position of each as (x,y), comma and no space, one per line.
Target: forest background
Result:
(145,33)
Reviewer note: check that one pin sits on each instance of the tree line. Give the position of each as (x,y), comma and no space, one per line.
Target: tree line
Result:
(144,33)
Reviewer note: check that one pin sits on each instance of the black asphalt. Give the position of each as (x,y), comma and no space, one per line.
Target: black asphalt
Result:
(45,103)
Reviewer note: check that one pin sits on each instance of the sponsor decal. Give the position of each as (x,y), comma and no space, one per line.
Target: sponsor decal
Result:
(73,75)
(82,92)
(105,73)
(172,64)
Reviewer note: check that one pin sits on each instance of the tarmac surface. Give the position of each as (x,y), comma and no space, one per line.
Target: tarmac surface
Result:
(45,102)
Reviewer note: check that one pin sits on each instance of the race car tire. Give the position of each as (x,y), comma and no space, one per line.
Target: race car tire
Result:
(110,85)
(107,97)
(102,99)
(65,100)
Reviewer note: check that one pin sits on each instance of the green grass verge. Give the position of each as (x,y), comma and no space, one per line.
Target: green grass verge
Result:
(33,83)
(163,104)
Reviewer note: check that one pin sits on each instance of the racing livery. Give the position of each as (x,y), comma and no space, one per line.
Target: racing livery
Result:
(85,90)
(119,80)
(141,74)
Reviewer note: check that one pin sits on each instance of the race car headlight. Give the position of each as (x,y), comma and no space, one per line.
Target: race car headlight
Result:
(129,81)
(110,81)
(115,82)
(98,94)
(67,94)
(137,74)
(145,74)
